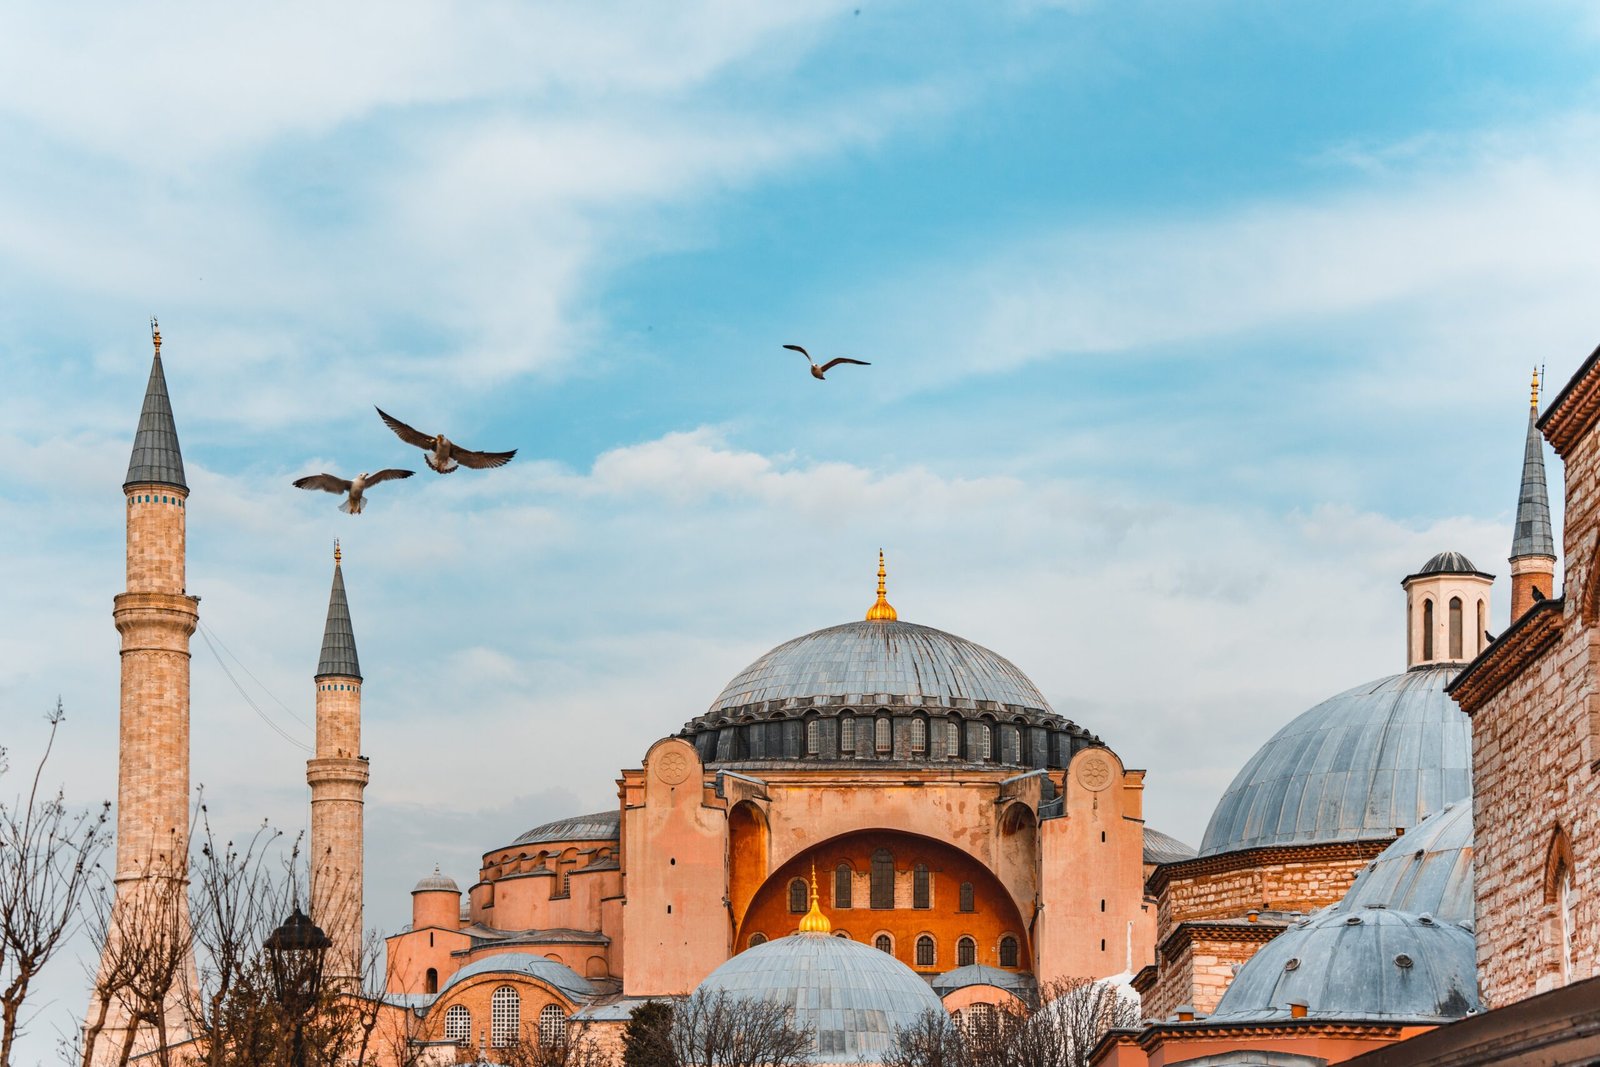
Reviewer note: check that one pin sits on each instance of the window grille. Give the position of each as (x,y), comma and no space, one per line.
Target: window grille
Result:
(505,1017)
(757,939)
(883,735)
(847,734)
(921,891)
(458,1024)
(925,955)
(985,741)
(966,952)
(884,943)
(919,736)
(952,740)
(798,897)
(552,1026)
(966,903)
(1008,951)
(841,886)
(813,737)
(882,880)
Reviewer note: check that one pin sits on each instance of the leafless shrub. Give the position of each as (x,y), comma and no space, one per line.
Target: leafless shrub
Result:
(718,1029)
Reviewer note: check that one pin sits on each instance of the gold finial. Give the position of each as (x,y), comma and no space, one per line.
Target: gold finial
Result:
(1534,399)
(881,611)
(155,333)
(337,555)
(814,922)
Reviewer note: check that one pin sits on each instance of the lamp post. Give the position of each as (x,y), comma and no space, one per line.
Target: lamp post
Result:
(295,951)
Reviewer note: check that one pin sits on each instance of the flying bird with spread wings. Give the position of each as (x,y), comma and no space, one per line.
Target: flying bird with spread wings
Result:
(354,488)
(441,453)
(816,371)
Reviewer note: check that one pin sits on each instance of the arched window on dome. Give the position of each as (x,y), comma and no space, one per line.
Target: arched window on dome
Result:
(1483,625)
(966,902)
(919,736)
(952,738)
(981,1018)
(813,737)
(505,1017)
(884,943)
(1008,952)
(966,952)
(756,939)
(552,1026)
(841,886)
(985,741)
(921,887)
(458,1024)
(1455,627)
(882,880)
(430,981)
(845,934)
(847,733)
(1427,629)
(799,899)
(925,951)
(883,735)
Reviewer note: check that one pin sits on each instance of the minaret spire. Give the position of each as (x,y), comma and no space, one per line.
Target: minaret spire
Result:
(1533,546)
(156,458)
(881,611)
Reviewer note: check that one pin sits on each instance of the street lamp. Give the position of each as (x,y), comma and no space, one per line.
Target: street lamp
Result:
(295,951)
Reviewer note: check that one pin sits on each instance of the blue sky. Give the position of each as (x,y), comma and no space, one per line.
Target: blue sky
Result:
(1194,327)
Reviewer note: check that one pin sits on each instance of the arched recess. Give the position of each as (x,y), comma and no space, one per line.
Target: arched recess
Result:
(1019,851)
(1558,925)
(747,855)
(995,911)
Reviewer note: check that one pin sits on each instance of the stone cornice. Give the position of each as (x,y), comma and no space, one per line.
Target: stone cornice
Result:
(1186,933)
(1266,856)
(1207,1028)
(1145,980)
(1574,410)
(1509,656)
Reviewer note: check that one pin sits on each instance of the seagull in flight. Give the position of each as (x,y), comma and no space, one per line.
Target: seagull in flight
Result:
(441,453)
(816,371)
(355,487)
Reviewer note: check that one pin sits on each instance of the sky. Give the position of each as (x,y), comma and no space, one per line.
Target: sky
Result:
(1194,327)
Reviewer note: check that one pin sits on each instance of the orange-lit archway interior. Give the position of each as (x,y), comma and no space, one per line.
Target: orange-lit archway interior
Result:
(933,906)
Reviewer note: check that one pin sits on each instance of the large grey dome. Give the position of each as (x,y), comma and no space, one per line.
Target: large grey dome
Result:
(1376,965)
(851,996)
(601,826)
(865,660)
(1356,767)
(1429,870)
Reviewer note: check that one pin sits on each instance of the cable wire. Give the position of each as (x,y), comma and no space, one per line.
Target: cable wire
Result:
(280,731)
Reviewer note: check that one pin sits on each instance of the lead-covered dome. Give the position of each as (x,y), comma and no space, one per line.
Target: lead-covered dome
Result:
(1429,870)
(1359,766)
(849,996)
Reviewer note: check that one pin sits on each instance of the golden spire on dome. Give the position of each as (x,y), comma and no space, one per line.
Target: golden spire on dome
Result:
(881,611)
(814,922)
(155,333)
(337,556)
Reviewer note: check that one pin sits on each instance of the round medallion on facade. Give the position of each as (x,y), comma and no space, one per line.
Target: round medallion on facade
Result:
(672,767)
(1094,772)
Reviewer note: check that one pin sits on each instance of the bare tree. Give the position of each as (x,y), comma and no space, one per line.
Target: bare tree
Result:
(48,855)
(1057,1027)
(719,1029)
(573,1050)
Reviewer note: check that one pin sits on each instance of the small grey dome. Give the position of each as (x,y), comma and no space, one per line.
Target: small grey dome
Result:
(437,883)
(1356,767)
(1449,563)
(601,826)
(978,974)
(558,976)
(1377,966)
(868,658)
(1427,871)
(851,996)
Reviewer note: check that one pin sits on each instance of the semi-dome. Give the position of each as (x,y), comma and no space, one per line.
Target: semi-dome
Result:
(558,976)
(600,826)
(1375,965)
(1359,766)
(1428,871)
(849,995)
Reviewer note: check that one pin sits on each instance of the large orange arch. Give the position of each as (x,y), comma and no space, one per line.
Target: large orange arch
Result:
(994,914)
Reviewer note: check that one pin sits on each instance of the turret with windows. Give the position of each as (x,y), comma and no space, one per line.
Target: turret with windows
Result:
(1447,611)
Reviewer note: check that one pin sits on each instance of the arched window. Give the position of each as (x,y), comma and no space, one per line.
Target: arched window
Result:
(966,903)
(919,736)
(1455,627)
(884,943)
(841,886)
(757,939)
(882,880)
(847,733)
(966,952)
(921,891)
(985,741)
(925,954)
(798,897)
(981,1018)
(1008,951)
(952,739)
(458,1024)
(552,1026)
(1565,903)
(505,1017)
(1483,626)
(883,734)
(813,737)
(430,983)
(842,933)
(1427,629)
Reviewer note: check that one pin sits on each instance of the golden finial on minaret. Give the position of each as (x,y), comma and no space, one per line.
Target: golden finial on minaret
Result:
(881,611)
(1533,401)
(337,555)
(814,922)
(155,333)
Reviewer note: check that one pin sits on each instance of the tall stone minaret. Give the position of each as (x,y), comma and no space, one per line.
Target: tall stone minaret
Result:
(338,778)
(155,617)
(1533,545)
